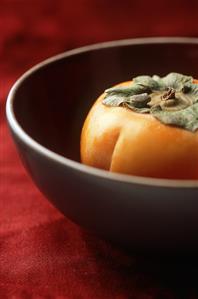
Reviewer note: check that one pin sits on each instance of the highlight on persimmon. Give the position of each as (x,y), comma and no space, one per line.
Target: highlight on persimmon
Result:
(145,127)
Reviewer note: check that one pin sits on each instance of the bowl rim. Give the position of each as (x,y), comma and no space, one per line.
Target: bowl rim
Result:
(103,174)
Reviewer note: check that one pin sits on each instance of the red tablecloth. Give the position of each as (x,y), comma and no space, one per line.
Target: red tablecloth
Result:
(43,254)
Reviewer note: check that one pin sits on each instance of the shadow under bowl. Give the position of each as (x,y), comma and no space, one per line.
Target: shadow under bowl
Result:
(46,109)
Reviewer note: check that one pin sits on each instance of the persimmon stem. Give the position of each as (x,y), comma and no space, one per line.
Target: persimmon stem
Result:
(169,94)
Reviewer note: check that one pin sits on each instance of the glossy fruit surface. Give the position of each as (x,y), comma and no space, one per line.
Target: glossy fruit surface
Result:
(120,140)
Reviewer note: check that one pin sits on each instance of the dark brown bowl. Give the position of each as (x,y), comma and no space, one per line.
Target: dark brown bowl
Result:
(45,111)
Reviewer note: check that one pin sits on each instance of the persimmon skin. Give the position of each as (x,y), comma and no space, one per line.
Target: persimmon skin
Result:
(120,140)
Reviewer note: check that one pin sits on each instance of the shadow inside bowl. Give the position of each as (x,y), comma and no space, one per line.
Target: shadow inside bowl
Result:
(63,91)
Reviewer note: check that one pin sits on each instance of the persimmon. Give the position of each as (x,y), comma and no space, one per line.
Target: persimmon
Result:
(155,137)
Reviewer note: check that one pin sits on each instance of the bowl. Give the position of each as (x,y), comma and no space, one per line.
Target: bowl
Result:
(45,111)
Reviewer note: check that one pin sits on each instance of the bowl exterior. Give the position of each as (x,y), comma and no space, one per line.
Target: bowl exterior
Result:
(136,216)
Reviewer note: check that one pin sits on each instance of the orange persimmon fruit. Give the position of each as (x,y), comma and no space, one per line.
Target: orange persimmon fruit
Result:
(120,140)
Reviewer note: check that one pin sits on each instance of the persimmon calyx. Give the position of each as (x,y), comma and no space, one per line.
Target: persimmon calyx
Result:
(172,99)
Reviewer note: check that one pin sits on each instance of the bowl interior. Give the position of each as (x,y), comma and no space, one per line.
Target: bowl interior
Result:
(53,101)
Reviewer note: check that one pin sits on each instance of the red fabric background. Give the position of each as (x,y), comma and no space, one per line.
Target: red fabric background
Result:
(43,254)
